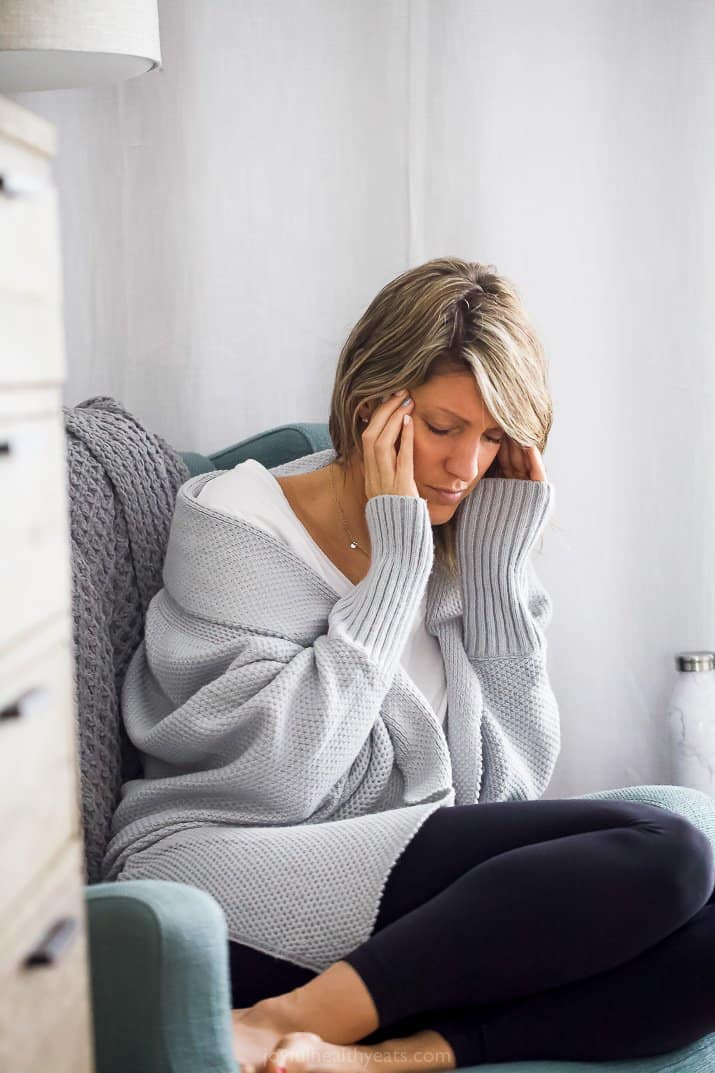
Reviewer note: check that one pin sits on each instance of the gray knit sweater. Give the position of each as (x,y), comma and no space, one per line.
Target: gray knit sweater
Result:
(288,757)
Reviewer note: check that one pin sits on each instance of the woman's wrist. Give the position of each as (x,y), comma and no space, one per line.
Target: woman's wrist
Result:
(499,523)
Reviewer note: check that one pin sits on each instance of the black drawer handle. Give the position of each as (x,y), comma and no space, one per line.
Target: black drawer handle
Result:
(24,704)
(5,448)
(53,944)
(19,185)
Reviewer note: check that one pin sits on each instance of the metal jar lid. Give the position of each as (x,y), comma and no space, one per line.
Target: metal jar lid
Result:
(695,661)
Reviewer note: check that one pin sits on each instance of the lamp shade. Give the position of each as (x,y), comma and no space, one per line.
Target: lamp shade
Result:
(70,44)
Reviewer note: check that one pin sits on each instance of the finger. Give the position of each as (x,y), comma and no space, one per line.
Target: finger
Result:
(405,455)
(537,470)
(389,428)
(386,447)
(518,461)
(378,453)
(393,419)
(381,415)
(505,458)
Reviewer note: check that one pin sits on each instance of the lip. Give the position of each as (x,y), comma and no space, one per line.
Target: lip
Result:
(447,497)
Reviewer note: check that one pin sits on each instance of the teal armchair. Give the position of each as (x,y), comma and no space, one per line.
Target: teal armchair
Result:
(159,950)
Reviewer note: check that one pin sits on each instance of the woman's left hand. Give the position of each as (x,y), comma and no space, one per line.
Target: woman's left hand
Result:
(520,463)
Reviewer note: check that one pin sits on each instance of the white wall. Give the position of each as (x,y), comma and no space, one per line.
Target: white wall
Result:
(227,219)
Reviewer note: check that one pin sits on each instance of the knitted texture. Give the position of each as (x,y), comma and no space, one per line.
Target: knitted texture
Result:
(122,487)
(288,757)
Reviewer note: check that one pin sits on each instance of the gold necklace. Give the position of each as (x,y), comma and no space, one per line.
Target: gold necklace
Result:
(353,542)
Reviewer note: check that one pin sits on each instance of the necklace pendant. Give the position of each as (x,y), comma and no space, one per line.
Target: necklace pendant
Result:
(353,544)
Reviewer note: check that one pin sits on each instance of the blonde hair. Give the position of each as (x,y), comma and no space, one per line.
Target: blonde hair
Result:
(447,315)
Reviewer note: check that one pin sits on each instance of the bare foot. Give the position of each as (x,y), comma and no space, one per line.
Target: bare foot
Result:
(260,1046)
(256,1031)
(305,1052)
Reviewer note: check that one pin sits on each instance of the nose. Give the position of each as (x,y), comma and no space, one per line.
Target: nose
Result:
(463,462)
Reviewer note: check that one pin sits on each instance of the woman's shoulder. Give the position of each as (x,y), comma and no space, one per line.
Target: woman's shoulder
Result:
(247,491)
(227,485)
(303,488)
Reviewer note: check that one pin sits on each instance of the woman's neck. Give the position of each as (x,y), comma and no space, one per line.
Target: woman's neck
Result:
(347,483)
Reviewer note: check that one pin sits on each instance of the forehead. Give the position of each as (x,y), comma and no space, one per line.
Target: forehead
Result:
(455,394)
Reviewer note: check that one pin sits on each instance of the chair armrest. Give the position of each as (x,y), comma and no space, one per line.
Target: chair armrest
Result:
(694,805)
(160,979)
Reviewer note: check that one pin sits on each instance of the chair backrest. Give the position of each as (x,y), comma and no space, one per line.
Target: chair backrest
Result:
(270,448)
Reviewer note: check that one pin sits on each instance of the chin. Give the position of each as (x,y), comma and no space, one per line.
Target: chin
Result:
(441,512)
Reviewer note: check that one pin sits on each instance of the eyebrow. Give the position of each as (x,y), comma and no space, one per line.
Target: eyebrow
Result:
(444,410)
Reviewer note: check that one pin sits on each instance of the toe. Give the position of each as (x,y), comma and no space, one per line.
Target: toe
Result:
(296,1052)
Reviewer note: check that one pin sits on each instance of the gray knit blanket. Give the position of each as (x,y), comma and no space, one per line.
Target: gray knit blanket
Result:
(123,482)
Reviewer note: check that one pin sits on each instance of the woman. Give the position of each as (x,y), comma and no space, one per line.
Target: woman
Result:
(346,722)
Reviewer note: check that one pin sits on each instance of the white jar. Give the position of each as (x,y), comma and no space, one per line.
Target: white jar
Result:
(691,715)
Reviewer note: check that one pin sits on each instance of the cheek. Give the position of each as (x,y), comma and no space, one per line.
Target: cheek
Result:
(422,447)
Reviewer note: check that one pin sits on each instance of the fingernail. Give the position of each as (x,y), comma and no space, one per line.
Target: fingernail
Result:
(406,402)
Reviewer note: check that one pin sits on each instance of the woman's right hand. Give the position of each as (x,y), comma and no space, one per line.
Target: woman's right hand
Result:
(389,471)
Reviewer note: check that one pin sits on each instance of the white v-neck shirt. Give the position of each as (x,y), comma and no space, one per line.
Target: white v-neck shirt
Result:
(251,492)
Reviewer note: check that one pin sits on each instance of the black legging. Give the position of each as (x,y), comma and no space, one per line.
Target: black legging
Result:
(574,929)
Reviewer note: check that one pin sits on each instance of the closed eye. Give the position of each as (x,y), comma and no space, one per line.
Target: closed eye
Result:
(444,431)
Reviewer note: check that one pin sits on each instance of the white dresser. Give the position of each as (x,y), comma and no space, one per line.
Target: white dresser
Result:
(45,1021)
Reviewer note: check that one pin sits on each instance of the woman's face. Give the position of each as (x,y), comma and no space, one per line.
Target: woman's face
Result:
(455,440)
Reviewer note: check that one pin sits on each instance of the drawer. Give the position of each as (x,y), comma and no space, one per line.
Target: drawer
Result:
(45,1021)
(39,795)
(30,261)
(35,557)
(32,347)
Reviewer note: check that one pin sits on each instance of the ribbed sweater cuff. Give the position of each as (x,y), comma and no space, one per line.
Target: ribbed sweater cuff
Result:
(378,613)
(500,523)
